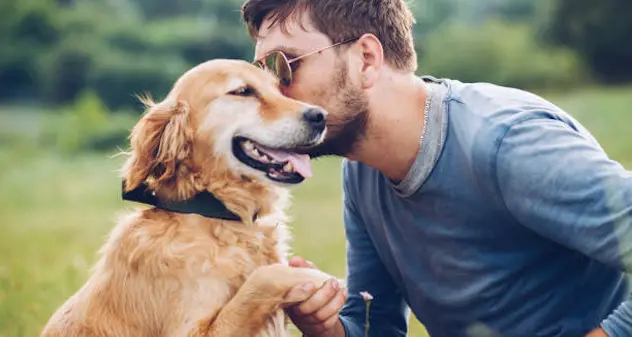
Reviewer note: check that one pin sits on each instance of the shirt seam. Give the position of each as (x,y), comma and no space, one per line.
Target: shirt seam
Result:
(501,140)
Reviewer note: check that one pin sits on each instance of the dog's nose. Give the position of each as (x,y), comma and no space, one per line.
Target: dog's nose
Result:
(315,118)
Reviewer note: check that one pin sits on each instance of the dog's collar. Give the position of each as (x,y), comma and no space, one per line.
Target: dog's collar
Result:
(203,203)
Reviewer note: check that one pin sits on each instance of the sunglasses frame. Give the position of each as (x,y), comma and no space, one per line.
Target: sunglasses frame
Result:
(286,82)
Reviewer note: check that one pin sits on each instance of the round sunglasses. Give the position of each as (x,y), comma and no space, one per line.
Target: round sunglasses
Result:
(279,64)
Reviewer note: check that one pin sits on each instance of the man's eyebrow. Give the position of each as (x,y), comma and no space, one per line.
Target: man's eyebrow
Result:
(288,51)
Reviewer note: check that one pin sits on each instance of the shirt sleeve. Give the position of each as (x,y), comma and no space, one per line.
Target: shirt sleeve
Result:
(366,272)
(556,180)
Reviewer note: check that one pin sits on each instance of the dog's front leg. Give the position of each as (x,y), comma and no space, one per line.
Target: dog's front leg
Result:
(263,293)
(243,316)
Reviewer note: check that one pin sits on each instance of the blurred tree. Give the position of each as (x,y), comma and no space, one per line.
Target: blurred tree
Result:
(119,48)
(28,29)
(157,9)
(429,16)
(54,50)
(479,12)
(600,31)
(502,54)
(516,10)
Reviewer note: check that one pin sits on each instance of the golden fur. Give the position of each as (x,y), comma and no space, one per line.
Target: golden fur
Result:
(173,274)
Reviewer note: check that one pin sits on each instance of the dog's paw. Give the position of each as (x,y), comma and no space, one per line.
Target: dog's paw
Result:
(277,280)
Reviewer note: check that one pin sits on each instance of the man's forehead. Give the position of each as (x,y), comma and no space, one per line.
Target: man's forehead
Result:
(296,38)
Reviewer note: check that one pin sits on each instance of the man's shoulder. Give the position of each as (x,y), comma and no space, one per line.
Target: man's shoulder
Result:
(483,112)
(480,116)
(495,94)
(497,104)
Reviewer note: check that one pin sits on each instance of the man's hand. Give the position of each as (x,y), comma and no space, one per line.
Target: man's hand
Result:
(318,315)
(599,332)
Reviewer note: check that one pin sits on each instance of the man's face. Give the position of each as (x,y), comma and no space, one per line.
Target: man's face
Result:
(322,79)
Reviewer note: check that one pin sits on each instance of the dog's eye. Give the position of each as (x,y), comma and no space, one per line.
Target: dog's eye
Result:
(243,91)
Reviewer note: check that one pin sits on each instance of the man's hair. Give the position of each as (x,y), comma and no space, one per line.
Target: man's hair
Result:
(389,20)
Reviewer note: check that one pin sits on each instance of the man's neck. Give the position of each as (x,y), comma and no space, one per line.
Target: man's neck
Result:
(396,120)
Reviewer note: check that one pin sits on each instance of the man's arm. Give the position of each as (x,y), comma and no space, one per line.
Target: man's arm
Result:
(560,183)
(365,272)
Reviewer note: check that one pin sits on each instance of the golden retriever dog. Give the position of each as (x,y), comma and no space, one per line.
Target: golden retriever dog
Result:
(224,130)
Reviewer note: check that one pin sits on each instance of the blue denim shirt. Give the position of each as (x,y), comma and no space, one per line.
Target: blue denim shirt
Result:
(513,221)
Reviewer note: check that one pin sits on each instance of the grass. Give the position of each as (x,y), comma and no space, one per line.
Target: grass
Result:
(56,211)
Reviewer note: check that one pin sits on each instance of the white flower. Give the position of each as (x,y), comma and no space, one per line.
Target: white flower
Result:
(366,296)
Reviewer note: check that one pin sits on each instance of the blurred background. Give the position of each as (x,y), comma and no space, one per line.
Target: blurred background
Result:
(69,70)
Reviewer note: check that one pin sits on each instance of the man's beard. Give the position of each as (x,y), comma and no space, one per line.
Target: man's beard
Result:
(348,124)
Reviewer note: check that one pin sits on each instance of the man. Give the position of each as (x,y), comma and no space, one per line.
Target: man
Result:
(486,210)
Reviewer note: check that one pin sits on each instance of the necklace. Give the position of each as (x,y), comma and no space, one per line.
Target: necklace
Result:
(426,110)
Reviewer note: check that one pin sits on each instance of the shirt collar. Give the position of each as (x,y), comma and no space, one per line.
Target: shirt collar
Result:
(432,137)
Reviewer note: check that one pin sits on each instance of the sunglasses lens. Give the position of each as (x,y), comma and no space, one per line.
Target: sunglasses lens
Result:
(277,63)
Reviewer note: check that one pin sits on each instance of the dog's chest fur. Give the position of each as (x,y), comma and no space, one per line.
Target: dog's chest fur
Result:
(264,244)
(209,260)
(241,250)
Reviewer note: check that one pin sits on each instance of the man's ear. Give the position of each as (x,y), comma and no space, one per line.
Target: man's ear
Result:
(372,59)
(160,142)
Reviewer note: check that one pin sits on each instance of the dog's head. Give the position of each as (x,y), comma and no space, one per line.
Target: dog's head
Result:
(223,119)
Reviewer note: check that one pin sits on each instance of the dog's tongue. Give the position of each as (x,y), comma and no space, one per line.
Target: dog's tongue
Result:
(300,162)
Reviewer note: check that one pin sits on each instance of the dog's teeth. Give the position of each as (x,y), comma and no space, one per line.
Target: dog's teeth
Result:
(265,158)
(288,167)
(248,145)
(256,152)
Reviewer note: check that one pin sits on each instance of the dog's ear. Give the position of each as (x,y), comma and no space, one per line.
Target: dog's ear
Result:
(160,142)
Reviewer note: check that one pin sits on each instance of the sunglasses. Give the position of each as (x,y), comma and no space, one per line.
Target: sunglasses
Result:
(279,64)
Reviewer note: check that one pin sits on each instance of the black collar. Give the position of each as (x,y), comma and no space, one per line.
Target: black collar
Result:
(204,203)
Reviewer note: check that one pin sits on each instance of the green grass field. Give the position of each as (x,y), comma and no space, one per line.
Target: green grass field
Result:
(55,212)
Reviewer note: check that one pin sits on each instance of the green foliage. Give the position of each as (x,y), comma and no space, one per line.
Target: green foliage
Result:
(28,28)
(58,49)
(477,12)
(85,126)
(600,31)
(501,54)
(80,122)
(120,76)
(117,48)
